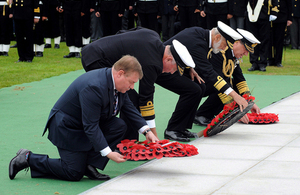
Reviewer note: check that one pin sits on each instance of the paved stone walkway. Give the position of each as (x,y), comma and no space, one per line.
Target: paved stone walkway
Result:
(244,159)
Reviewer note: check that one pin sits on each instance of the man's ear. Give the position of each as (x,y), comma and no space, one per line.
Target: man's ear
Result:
(120,73)
(217,38)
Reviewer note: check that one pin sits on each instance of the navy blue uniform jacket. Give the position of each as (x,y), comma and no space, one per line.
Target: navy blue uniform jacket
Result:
(74,120)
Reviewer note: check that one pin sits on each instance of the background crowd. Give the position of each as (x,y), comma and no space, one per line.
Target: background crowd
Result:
(79,22)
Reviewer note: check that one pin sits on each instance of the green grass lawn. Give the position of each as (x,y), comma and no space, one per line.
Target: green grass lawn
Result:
(53,64)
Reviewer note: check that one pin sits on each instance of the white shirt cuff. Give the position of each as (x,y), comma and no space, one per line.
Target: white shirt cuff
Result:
(38,17)
(105,151)
(141,130)
(151,123)
(228,91)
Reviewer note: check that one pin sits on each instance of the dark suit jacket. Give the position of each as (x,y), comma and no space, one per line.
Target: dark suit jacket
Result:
(196,40)
(74,120)
(142,43)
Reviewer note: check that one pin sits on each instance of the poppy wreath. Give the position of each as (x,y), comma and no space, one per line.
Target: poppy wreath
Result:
(262,118)
(135,150)
(230,115)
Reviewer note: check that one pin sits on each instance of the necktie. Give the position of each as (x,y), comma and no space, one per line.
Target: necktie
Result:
(115,103)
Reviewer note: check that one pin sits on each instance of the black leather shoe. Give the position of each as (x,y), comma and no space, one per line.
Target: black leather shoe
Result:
(279,65)
(70,55)
(39,54)
(56,46)
(190,134)
(252,68)
(92,173)
(18,163)
(5,53)
(14,46)
(47,46)
(77,55)
(176,135)
(29,61)
(20,61)
(201,120)
(298,47)
(262,67)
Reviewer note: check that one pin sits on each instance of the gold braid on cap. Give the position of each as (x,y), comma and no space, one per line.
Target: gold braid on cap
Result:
(250,48)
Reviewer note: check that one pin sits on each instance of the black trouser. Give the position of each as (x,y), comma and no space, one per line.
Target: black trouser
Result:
(5,26)
(51,27)
(187,17)
(24,34)
(212,19)
(190,94)
(72,19)
(261,30)
(149,21)
(72,164)
(111,22)
(38,33)
(276,43)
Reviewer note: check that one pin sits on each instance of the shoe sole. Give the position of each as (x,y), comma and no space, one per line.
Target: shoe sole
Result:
(197,123)
(168,137)
(9,169)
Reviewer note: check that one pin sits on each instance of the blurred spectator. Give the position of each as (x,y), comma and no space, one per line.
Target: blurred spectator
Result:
(259,15)
(168,18)
(295,27)
(111,13)
(278,28)
(86,23)
(5,28)
(214,11)
(236,12)
(73,12)
(51,27)
(148,13)
(96,23)
(26,13)
(188,10)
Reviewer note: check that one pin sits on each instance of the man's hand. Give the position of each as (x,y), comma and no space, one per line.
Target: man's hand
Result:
(194,74)
(115,156)
(97,14)
(254,109)
(151,137)
(203,14)
(239,100)
(36,20)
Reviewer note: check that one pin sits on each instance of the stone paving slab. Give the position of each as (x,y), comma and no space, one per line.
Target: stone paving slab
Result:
(244,159)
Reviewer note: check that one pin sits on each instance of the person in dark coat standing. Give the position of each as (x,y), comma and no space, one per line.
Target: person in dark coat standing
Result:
(155,58)
(51,27)
(168,18)
(148,13)
(84,127)
(5,27)
(237,12)
(26,13)
(214,11)
(259,15)
(73,12)
(188,10)
(295,27)
(111,13)
(278,29)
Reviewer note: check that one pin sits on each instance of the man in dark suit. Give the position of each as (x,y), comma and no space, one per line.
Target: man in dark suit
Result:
(84,127)
(155,59)
(26,13)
